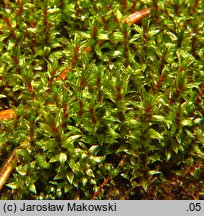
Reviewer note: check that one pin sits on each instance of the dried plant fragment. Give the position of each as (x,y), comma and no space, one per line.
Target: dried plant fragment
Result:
(8,165)
(7,114)
(7,169)
(137,16)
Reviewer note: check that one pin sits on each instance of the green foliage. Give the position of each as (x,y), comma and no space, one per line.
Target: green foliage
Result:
(130,108)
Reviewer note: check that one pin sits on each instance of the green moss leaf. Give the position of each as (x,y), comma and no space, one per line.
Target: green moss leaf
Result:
(155,135)
(70,176)
(90,173)
(32,188)
(62,157)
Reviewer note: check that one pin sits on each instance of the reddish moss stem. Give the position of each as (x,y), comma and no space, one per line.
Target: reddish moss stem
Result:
(95,195)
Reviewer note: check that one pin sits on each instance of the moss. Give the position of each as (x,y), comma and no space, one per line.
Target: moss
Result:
(111,110)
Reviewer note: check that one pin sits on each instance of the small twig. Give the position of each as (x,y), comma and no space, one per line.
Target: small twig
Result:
(7,169)
(8,165)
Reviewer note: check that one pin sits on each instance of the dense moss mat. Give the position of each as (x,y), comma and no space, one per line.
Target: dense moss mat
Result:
(109,110)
